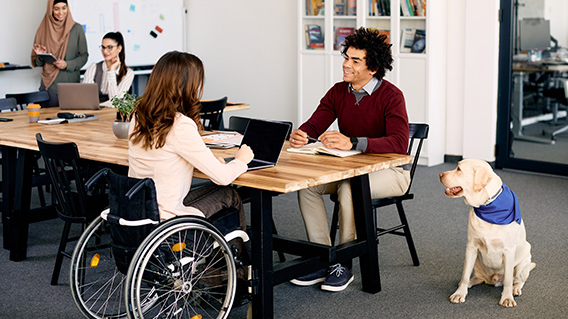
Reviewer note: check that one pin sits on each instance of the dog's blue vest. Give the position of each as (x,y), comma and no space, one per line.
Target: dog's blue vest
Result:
(503,210)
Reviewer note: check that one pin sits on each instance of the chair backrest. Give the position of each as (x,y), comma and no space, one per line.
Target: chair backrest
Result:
(23,99)
(212,113)
(61,162)
(8,104)
(417,132)
(239,124)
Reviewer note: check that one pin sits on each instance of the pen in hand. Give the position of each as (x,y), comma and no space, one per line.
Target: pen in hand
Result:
(312,139)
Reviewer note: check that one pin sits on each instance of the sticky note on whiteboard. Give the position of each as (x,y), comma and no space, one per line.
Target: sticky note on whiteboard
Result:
(159,29)
(132,8)
(153,34)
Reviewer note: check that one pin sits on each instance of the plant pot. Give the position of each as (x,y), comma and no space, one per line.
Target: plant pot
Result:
(120,129)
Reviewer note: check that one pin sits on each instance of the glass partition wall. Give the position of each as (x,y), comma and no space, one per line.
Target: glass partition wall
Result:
(532,128)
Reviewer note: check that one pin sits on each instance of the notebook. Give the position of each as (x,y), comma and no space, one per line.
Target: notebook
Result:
(78,96)
(266,139)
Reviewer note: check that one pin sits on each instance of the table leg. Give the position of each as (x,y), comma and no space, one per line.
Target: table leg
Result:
(261,243)
(8,181)
(18,216)
(366,231)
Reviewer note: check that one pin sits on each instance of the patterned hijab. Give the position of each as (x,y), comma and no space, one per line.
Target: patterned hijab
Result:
(53,35)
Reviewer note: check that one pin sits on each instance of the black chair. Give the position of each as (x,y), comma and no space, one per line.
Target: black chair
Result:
(417,132)
(212,113)
(23,99)
(8,104)
(73,204)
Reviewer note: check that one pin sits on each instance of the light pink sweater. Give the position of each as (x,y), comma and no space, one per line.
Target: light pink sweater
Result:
(171,167)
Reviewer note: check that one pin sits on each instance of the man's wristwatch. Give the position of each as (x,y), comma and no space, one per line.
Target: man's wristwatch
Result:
(354,141)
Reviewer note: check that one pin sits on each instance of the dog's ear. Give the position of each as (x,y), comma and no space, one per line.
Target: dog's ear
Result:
(481,177)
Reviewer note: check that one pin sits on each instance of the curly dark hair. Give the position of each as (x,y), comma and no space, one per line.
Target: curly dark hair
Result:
(379,54)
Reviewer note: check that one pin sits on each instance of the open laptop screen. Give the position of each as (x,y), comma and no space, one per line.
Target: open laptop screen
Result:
(266,139)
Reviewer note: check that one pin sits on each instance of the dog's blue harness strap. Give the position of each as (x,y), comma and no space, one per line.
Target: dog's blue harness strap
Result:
(503,210)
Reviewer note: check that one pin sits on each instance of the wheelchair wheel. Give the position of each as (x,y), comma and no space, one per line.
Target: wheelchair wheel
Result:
(96,283)
(183,269)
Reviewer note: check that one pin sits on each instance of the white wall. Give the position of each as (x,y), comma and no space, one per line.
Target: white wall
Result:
(249,49)
(19,23)
(480,79)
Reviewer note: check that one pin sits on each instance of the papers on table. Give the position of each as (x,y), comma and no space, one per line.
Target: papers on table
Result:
(222,139)
(318,148)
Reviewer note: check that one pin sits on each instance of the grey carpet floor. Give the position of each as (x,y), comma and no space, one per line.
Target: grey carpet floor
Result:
(439,228)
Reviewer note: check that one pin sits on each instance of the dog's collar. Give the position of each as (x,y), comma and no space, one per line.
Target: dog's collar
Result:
(492,198)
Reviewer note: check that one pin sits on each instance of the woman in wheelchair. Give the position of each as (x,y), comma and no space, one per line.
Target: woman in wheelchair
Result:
(165,142)
(136,260)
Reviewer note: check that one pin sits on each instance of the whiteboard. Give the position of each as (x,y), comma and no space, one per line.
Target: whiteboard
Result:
(150,27)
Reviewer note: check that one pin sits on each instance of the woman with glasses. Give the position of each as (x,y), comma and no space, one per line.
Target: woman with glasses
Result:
(112,75)
(61,36)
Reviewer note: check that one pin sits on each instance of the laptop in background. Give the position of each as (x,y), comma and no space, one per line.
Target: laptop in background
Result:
(78,96)
(266,139)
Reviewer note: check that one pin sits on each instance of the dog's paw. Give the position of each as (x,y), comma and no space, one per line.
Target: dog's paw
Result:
(457,297)
(507,302)
(517,291)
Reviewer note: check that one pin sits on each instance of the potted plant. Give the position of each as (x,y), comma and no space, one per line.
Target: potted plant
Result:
(125,106)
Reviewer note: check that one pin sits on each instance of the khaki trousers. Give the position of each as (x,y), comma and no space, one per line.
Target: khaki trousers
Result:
(384,183)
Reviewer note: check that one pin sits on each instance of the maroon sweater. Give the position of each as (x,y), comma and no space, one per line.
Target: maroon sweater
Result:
(380,117)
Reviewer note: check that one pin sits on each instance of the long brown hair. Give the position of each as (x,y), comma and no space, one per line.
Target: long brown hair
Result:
(175,85)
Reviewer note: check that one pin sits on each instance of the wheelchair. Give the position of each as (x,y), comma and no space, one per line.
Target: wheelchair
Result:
(128,263)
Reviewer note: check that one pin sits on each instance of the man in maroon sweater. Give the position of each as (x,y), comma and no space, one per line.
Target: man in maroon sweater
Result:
(371,115)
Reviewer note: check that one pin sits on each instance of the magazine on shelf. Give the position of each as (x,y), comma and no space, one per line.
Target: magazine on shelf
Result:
(318,148)
(419,43)
(407,40)
(341,33)
(314,36)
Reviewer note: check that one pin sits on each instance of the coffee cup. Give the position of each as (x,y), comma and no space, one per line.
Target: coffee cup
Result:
(33,112)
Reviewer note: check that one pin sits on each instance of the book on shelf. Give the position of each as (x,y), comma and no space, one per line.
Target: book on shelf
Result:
(379,7)
(340,35)
(314,36)
(352,7)
(419,43)
(314,7)
(387,33)
(339,8)
(407,40)
(406,8)
(318,148)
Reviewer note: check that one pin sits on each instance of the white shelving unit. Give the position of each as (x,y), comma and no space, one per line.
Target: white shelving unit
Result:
(421,76)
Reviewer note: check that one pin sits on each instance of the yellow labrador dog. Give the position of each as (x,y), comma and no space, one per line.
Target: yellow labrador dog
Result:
(497,251)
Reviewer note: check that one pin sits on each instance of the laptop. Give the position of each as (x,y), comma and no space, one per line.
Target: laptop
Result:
(78,96)
(266,139)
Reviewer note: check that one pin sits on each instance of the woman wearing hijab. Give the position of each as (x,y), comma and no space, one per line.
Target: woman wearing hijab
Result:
(112,75)
(61,36)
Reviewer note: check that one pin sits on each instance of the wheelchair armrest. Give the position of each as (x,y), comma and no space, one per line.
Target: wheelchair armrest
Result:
(95,178)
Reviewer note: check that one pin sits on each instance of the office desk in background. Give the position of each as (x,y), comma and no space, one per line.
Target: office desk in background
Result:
(293,172)
(521,70)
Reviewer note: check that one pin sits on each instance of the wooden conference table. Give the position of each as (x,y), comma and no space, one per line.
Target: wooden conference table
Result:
(96,142)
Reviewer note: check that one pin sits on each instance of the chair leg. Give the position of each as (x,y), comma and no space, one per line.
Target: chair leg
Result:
(60,253)
(407,234)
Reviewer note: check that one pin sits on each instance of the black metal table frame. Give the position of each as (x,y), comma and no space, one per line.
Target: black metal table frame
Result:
(16,189)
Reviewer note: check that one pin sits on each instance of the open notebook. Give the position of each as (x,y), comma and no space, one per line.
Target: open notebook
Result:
(318,148)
